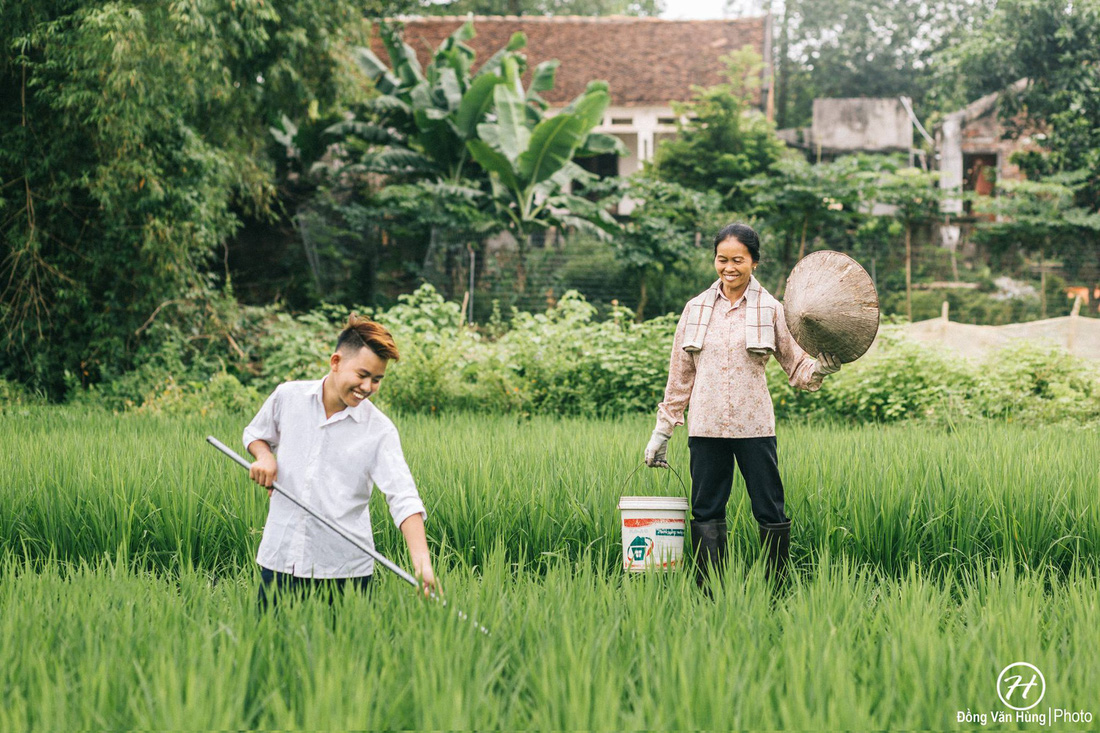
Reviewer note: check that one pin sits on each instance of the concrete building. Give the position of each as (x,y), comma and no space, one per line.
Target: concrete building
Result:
(854,125)
(973,154)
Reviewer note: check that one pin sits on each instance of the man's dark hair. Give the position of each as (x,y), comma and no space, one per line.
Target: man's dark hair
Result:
(744,234)
(360,332)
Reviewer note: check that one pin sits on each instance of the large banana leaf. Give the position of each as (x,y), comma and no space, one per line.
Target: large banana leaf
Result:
(375,70)
(452,90)
(513,134)
(405,64)
(495,163)
(422,103)
(552,145)
(591,105)
(475,103)
(542,80)
(599,143)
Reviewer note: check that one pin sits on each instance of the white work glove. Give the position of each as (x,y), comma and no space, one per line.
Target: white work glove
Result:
(657,450)
(827,364)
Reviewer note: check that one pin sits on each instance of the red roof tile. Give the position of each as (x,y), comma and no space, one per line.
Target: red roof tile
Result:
(646,61)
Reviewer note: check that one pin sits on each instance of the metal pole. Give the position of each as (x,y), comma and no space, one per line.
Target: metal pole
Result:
(473,266)
(376,555)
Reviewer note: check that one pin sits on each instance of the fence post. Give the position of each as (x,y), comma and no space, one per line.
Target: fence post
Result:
(1071,339)
(944,309)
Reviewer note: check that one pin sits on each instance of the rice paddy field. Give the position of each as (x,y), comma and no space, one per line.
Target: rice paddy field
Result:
(926,561)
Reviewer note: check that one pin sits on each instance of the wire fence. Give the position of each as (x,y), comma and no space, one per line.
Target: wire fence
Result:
(1078,335)
(492,274)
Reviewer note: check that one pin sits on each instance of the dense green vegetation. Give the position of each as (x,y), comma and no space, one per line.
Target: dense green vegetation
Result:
(926,560)
(148,491)
(570,361)
(164,163)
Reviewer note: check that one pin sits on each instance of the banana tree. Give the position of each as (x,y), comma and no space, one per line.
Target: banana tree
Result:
(419,124)
(414,132)
(529,157)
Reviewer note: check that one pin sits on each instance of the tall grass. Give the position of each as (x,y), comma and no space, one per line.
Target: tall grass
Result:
(149,490)
(850,648)
(925,562)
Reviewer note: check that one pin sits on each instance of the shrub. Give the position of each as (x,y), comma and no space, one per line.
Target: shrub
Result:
(13,395)
(222,393)
(566,361)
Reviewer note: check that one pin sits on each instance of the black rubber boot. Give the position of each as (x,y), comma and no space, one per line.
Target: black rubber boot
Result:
(708,547)
(776,541)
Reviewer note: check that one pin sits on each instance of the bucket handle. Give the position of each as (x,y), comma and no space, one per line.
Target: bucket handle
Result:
(674,471)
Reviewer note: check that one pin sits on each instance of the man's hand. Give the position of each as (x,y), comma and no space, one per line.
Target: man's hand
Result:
(657,450)
(264,471)
(413,530)
(827,364)
(422,569)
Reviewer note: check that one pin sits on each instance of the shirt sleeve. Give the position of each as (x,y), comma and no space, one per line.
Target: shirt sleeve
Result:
(798,365)
(393,478)
(681,379)
(265,426)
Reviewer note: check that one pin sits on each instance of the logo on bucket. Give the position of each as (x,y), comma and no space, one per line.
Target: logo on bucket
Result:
(653,532)
(640,548)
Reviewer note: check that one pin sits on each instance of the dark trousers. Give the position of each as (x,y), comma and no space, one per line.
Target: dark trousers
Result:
(712,461)
(275,585)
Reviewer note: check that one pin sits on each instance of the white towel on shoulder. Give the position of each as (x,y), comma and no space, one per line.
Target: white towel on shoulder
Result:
(759,318)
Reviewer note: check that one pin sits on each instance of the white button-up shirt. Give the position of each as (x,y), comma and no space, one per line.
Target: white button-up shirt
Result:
(331,466)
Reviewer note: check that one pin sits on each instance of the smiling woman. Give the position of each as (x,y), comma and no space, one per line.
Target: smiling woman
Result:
(723,341)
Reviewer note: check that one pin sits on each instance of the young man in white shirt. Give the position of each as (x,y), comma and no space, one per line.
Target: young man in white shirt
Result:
(333,447)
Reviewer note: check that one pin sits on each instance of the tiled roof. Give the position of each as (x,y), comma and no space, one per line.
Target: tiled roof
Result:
(646,61)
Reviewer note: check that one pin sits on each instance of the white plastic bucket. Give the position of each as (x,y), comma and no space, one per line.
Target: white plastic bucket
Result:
(653,532)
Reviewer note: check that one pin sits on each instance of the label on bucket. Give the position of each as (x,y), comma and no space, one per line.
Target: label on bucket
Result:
(652,541)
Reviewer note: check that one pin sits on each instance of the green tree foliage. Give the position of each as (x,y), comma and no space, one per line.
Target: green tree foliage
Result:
(648,8)
(724,141)
(132,137)
(863,48)
(1038,220)
(660,231)
(1052,44)
(914,197)
(799,202)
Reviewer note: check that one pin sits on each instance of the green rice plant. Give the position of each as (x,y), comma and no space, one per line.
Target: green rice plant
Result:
(82,485)
(578,647)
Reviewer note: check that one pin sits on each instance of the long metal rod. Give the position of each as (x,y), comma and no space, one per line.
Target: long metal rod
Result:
(379,558)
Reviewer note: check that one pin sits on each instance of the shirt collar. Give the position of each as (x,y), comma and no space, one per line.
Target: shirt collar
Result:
(722,295)
(357,413)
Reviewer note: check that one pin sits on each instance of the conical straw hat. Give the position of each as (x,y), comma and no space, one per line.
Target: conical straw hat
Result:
(831,306)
